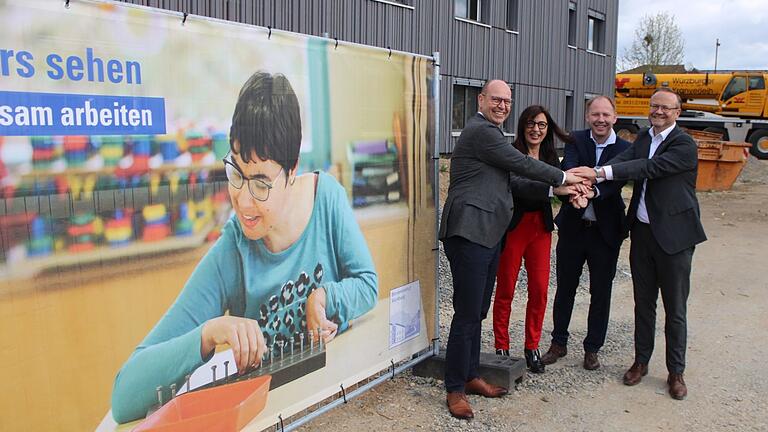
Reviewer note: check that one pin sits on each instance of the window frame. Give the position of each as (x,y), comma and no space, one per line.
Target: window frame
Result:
(572,24)
(596,29)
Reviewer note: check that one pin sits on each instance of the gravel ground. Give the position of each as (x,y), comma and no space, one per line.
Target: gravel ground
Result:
(726,361)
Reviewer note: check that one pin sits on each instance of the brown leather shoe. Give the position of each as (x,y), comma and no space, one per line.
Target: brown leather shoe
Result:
(677,388)
(554,352)
(635,373)
(591,362)
(459,406)
(480,387)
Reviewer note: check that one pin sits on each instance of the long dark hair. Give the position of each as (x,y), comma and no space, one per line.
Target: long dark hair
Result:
(547,151)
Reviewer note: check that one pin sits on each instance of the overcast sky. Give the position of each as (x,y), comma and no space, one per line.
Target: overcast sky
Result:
(741,26)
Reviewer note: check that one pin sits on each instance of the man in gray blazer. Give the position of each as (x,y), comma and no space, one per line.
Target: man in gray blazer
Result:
(664,219)
(475,217)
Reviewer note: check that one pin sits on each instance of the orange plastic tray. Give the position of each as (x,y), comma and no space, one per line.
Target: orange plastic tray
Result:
(228,407)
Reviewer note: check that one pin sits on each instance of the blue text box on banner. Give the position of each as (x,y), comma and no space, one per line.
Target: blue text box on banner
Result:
(29,114)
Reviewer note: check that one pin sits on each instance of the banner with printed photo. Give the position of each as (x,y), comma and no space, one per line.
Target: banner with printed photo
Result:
(203,217)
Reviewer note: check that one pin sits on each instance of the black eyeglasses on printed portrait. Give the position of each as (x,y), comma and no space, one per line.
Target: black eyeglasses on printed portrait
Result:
(258,188)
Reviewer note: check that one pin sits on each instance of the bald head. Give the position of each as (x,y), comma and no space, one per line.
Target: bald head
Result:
(495,101)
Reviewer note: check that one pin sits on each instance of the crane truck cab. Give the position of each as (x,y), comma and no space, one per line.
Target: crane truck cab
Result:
(732,104)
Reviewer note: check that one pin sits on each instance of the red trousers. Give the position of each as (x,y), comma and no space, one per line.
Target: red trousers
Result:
(531,241)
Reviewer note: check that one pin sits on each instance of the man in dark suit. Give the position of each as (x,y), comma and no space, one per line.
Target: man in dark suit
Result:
(664,219)
(592,234)
(475,217)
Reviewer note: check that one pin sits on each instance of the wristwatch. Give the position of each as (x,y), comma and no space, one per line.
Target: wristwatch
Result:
(598,172)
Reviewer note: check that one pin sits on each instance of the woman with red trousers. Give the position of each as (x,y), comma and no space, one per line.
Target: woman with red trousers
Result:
(529,237)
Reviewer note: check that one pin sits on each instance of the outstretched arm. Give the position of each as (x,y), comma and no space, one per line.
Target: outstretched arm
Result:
(174,347)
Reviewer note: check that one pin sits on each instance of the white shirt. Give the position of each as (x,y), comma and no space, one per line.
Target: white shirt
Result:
(656,140)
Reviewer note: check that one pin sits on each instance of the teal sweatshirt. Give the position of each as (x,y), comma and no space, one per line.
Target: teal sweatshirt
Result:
(241,276)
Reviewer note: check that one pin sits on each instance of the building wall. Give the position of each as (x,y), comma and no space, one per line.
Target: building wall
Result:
(536,59)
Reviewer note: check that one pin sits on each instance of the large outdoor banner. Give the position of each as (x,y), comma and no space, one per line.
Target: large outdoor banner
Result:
(204,223)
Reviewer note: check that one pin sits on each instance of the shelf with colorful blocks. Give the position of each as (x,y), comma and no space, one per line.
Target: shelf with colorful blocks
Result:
(160,170)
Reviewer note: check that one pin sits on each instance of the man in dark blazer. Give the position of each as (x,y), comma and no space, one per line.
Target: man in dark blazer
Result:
(475,217)
(664,219)
(592,235)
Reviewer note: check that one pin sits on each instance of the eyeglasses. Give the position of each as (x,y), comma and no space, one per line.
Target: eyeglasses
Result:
(541,125)
(495,100)
(258,188)
(662,108)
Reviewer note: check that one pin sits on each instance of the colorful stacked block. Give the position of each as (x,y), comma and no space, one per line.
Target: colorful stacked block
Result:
(185,224)
(75,150)
(118,231)
(110,148)
(40,238)
(198,145)
(83,232)
(155,222)
(44,152)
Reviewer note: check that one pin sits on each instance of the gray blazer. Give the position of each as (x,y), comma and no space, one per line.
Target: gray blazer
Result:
(479,203)
(670,195)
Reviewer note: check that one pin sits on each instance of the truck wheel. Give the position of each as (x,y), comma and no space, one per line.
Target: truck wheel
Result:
(759,141)
(626,131)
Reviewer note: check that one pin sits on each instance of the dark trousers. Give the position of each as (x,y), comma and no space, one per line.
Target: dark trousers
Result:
(474,272)
(573,249)
(654,270)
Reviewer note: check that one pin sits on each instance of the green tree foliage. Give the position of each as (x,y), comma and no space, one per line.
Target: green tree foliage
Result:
(658,41)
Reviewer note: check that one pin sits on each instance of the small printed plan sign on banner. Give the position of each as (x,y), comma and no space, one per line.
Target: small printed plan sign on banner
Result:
(404,313)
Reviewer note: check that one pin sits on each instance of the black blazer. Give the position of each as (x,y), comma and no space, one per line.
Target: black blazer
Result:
(670,195)
(479,203)
(529,194)
(608,205)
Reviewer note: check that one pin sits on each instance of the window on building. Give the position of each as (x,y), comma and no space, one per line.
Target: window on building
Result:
(569,111)
(572,23)
(464,104)
(595,31)
(512,6)
(469,9)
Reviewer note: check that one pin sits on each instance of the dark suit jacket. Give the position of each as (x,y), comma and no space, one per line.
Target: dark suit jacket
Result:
(479,203)
(529,193)
(670,194)
(608,206)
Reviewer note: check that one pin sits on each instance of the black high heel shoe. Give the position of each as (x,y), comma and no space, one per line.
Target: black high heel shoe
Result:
(533,361)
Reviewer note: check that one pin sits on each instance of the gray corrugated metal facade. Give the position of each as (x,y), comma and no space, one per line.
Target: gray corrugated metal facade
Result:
(536,58)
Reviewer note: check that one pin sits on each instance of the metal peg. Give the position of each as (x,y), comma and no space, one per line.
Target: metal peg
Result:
(213,372)
(173,390)
(226,369)
(187,380)
(159,395)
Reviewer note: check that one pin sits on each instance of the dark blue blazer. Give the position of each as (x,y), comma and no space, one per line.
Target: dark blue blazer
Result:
(609,206)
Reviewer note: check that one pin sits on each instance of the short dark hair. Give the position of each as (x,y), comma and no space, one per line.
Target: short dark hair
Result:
(267,122)
(547,152)
(669,90)
(592,100)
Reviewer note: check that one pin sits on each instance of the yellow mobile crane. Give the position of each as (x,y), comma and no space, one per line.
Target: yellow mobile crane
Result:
(734,104)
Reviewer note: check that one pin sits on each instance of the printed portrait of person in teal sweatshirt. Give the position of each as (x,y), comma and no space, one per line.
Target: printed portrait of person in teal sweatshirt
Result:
(291,258)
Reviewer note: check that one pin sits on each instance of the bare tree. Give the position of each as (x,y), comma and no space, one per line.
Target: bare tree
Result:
(658,41)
